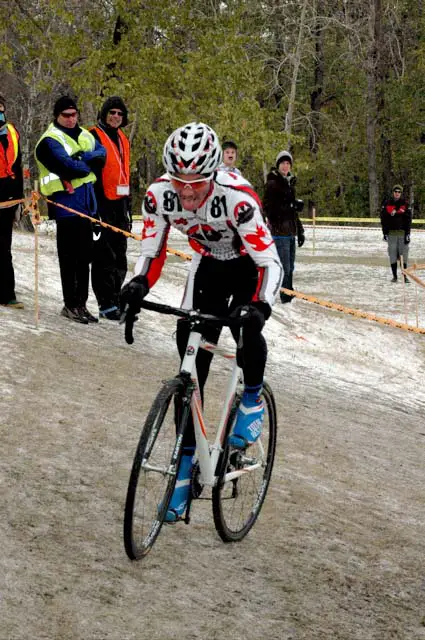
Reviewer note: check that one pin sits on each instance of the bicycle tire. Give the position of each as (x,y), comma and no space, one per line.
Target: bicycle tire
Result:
(237,503)
(153,474)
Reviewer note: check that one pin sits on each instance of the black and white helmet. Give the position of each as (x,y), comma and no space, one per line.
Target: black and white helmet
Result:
(194,148)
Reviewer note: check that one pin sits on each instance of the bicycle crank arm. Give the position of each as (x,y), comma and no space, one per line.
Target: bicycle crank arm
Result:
(240,472)
(161,470)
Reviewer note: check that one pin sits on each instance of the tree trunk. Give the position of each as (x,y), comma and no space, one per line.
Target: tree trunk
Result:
(316,94)
(297,61)
(371,109)
(316,105)
(382,76)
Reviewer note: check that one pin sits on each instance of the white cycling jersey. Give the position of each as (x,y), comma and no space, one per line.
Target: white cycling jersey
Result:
(229,224)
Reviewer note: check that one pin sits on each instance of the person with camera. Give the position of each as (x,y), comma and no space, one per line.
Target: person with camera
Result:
(281,209)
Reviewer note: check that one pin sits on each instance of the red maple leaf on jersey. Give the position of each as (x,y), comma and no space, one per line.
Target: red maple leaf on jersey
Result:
(256,239)
(149,223)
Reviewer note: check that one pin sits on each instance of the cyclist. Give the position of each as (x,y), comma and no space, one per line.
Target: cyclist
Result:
(235,264)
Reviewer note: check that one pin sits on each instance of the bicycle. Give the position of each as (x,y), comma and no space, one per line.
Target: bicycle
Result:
(239,479)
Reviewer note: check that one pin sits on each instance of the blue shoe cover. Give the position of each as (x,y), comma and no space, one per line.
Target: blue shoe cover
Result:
(178,501)
(248,424)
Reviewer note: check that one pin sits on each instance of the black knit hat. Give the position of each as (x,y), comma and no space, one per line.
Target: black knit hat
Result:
(65,102)
(115,102)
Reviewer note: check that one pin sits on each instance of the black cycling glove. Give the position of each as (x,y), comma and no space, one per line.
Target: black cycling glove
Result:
(133,293)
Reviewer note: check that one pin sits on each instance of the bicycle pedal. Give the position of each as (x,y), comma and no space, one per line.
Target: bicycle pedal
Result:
(171,523)
(183,518)
(248,461)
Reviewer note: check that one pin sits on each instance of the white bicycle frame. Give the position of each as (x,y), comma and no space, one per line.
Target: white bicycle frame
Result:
(208,454)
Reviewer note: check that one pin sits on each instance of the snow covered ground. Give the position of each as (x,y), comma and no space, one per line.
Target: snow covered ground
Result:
(338,551)
(348,267)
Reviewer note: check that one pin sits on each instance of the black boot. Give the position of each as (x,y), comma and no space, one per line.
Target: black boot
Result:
(394,270)
(286,297)
(406,279)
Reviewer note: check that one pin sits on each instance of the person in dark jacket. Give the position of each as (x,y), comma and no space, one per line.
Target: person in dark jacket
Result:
(396,221)
(112,190)
(66,155)
(11,188)
(281,209)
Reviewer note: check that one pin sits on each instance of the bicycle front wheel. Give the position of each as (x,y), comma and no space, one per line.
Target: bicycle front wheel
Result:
(153,474)
(244,477)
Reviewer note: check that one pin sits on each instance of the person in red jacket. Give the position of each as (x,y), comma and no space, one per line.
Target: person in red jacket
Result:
(112,189)
(396,220)
(11,188)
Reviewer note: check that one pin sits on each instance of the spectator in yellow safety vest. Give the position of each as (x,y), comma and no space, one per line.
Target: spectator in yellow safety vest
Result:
(67,156)
(112,190)
(11,188)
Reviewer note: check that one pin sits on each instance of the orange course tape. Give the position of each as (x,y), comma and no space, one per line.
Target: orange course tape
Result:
(95,220)
(355,312)
(323,303)
(412,276)
(332,305)
(11,203)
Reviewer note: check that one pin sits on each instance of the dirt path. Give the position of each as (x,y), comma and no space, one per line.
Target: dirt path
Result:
(338,552)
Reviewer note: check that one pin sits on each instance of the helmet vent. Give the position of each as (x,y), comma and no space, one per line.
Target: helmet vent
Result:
(194,148)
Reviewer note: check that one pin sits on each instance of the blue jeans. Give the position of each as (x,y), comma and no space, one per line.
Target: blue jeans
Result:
(285,246)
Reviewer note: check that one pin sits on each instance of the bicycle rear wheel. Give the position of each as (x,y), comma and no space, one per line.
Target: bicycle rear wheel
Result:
(244,477)
(153,474)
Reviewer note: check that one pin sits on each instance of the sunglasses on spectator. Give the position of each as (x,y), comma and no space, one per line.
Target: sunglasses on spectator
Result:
(66,114)
(116,112)
(397,191)
(195,185)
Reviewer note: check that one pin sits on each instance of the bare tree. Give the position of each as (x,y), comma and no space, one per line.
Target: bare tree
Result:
(371,102)
(295,71)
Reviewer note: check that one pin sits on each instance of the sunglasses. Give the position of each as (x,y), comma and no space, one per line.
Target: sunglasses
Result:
(64,114)
(195,185)
(115,112)
(397,191)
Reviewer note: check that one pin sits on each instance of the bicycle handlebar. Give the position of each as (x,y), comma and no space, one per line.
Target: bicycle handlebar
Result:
(129,317)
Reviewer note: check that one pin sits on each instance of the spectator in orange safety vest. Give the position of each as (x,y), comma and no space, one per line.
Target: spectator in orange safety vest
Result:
(112,189)
(11,188)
